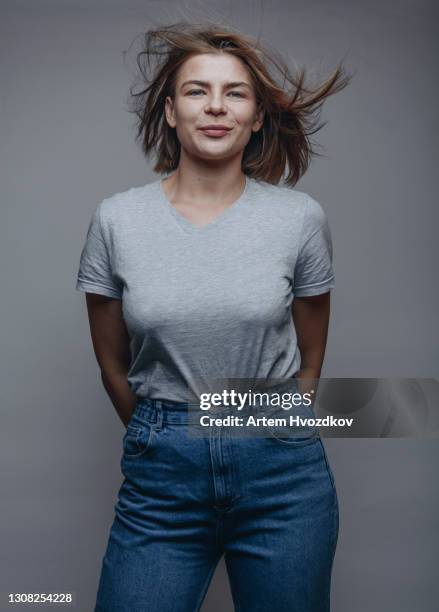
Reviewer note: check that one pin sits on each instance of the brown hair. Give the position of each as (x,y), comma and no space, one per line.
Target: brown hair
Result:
(291,115)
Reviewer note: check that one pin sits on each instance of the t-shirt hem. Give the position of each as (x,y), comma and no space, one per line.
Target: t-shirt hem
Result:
(315,288)
(90,287)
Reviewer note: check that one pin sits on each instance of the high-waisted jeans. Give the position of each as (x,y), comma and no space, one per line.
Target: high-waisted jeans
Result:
(268,504)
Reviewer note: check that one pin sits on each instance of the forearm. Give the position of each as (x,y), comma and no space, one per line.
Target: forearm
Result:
(311,319)
(119,391)
(308,379)
(310,366)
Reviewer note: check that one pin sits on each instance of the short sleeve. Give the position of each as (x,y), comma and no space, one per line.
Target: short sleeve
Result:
(95,274)
(313,272)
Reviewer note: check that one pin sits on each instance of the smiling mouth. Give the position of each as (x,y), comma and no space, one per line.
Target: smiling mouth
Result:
(215,132)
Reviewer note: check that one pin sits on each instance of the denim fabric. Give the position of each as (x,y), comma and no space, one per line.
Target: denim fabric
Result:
(269,505)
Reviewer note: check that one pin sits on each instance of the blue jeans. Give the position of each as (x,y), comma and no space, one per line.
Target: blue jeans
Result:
(269,505)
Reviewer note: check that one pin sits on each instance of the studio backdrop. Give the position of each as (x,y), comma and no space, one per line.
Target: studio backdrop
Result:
(67,142)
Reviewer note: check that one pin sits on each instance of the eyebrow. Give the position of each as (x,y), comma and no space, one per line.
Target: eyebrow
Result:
(206,84)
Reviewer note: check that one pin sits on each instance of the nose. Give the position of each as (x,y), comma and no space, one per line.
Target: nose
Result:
(216,105)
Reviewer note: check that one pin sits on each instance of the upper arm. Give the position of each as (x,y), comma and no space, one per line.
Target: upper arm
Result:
(95,273)
(311,321)
(103,291)
(313,272)
(108,332)
(313,280)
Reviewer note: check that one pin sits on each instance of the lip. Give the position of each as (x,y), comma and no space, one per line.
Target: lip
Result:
(215,130)
(216,126)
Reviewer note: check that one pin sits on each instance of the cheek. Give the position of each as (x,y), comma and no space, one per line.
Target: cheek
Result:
(244,112)
(245,124)
(187,112)
(184,128)
(186,119)
(244,119)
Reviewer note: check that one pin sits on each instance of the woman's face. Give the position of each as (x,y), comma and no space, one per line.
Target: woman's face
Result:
(224,96)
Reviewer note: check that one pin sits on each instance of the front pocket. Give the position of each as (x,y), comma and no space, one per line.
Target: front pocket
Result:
(137,440)
(296,428)
(295,441)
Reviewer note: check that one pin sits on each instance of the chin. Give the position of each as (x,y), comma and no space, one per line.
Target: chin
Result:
(214,155)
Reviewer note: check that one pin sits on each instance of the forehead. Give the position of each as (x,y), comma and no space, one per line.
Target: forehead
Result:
(213,66)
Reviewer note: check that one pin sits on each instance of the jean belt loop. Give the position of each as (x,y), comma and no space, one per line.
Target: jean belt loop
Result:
(159,413)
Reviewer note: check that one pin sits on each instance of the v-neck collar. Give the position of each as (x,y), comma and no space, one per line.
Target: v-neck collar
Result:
(190,227)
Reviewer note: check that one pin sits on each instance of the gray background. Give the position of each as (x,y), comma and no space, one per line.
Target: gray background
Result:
(67,142)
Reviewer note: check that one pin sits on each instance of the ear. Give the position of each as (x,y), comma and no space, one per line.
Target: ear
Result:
(169,112)
(259,119)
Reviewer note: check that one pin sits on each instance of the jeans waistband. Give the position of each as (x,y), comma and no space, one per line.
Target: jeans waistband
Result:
(158,411)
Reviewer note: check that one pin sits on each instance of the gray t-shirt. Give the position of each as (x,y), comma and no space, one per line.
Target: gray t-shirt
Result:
(211,302)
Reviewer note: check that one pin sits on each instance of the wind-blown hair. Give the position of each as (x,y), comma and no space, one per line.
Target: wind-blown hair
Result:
(292,110)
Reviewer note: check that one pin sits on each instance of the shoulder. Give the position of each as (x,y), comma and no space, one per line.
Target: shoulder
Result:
(116,207)
(282,199)
(314,211)
(279,195)
(287,197)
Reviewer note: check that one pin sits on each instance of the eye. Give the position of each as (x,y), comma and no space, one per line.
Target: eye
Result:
(196,91)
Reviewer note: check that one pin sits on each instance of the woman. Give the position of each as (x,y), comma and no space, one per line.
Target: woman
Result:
(193,278)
